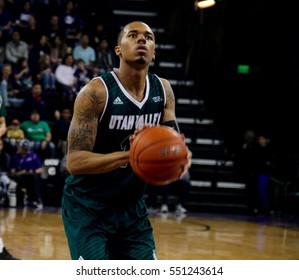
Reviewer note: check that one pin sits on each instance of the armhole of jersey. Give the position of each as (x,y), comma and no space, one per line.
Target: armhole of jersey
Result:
(164,92)
(107,99)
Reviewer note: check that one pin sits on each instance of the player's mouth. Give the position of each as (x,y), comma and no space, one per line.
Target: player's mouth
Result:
(141,49)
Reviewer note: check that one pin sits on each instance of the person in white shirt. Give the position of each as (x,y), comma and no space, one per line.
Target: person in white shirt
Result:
(66,80)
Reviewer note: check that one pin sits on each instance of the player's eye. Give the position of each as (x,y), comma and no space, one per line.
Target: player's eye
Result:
(132,35)
(149,37)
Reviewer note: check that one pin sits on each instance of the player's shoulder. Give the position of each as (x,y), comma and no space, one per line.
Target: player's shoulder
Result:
(164,81)
(97,81)
(92,94)
(94,87)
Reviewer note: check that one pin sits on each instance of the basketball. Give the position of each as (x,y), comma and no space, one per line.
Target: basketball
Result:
(158,155)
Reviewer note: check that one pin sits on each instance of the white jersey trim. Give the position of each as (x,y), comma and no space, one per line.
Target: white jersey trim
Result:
(107,98)
(163,90)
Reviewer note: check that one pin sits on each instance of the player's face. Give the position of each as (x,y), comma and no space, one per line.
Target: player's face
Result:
(137,44)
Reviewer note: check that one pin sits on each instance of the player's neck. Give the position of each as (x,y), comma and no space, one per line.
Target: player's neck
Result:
(133,81)
(131,77)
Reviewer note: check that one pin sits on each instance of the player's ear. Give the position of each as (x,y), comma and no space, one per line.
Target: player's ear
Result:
(154,56)
(117,50)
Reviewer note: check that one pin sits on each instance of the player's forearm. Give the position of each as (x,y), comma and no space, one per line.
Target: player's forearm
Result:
(83,162)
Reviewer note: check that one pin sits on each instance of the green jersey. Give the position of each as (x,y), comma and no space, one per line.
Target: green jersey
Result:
(121,116)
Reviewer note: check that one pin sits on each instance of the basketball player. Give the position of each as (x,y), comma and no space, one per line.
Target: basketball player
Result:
(103,207)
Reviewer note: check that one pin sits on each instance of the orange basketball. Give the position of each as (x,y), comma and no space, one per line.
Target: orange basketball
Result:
(158,155)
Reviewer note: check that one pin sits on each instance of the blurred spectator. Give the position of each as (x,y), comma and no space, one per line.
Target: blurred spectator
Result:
(26,169)
(32,33)
(52,29)
(7,81)
(45,73)
(15,48)
(38,132)
(265,163)
(97,35)
(245,164)
(43,9)
(66,80)
(40,48)
(6,21)
(71,23)
(82,73)
(59,49)
(9,88)
(181,189)
(95,72)
(13,136)
(84,51)
(106,58)
(22,16)
(255,163)
(23,75)
(60,131)
(245,157)
(34,101)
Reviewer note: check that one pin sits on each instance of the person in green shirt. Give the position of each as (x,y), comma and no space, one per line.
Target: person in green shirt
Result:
(38,132)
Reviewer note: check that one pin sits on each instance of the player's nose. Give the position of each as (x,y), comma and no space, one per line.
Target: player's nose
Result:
(141,38)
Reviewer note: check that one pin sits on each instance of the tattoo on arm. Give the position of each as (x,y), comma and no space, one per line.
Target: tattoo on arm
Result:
(169,110)
(81,138)
(170,98)
(83,130)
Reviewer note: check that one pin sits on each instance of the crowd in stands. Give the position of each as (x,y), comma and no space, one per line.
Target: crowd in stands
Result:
(48,51)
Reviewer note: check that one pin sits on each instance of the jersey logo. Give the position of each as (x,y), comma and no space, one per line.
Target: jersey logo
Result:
(117,101)
(129,122)
(157,99)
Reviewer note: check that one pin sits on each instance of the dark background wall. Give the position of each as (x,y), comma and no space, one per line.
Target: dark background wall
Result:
(257,33)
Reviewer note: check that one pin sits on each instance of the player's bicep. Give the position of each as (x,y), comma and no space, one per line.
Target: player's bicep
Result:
(83,129)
